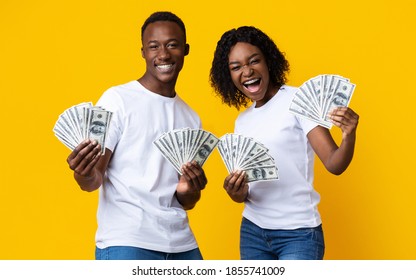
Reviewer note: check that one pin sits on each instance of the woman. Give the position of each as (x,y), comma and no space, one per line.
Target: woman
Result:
(280,218)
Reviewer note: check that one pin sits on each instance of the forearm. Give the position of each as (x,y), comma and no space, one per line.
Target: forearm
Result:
(89,183)
(342,157)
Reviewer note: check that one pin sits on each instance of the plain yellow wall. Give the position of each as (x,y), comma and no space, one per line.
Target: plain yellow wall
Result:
(55,54)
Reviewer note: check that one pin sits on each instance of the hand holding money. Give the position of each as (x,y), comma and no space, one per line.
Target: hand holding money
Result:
(321,95)
(84,157)
(238,152)
(244,153)
(80,122)
(181,146)
(236,185)
(345,118)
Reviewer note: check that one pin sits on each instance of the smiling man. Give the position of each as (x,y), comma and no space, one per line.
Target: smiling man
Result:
(142,199)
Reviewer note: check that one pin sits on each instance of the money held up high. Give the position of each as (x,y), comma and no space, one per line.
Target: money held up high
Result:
(318,96)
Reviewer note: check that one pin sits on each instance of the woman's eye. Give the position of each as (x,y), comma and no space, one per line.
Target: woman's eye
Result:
(254,61)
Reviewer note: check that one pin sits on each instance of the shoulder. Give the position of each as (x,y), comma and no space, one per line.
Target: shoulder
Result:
(286,90)
(114,97)
(132,85)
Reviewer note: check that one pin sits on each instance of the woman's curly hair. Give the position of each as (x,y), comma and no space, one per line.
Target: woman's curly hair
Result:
(220,76)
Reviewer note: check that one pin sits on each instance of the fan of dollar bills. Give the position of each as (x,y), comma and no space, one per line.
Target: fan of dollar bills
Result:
(318,96)
(244,153)
(180,146)
(80,122)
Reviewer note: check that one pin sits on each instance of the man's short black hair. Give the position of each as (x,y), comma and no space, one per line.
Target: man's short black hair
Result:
(164,16)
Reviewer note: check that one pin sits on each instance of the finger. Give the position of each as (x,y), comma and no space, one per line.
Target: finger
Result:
(227,181)
(344,117)
(241,180)
(201,175)
(352,115)
(87,170)
(84,157)
(77,149)
(345,112)
(88,162)
(199,172)
(195,175)
(337,112)
(232,183)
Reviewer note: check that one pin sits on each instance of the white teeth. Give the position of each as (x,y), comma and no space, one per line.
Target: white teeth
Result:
(251,82)
(165,66)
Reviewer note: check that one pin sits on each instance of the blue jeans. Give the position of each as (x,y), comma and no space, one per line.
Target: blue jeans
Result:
(134,253)
(265,244)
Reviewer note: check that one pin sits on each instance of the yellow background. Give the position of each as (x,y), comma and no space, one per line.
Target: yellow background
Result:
(55,54)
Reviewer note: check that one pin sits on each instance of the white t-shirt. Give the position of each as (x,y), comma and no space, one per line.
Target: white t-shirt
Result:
(291,201)
(137,206)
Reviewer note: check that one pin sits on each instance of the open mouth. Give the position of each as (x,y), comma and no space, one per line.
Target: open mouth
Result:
(164,67)
(252,85)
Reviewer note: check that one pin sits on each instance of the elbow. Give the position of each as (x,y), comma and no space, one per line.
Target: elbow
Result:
(336,171)
(336,167)
(189,207)
(88,188)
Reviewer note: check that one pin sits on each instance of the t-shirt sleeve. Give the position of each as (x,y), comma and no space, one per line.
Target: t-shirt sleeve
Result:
(307,125)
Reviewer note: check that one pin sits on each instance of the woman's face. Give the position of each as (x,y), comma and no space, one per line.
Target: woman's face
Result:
(250,73)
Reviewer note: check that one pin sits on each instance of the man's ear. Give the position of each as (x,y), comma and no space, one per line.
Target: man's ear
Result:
(141,50)
(187,49)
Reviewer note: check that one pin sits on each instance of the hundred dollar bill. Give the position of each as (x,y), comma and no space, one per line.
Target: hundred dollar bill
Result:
(262,173)
(341,96)
(206,149)
(318,96)
(97,126)
(167,154)
(244,153)
(225,157)
(260,160)
(71,128)
(180,146)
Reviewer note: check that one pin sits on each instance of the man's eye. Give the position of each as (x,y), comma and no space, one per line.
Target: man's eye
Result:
(172,45)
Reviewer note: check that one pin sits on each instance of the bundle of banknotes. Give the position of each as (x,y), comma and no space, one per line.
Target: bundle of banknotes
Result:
(244,153)
(238,152)
(80,122)
(184,145)
(318,96)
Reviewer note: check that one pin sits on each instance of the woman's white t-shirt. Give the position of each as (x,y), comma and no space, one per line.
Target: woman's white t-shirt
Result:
(291,201)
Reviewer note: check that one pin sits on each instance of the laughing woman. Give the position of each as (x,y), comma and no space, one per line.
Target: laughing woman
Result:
(280,218)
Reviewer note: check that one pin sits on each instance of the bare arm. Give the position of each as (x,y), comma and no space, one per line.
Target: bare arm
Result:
(193,180)
(89,165)
(336,158)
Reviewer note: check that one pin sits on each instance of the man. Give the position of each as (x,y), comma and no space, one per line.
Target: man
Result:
(142,199)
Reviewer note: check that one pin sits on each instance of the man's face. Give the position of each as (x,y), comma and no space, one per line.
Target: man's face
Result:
(164,49)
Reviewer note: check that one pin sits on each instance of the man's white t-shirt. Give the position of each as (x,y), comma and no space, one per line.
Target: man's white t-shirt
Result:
(291,201)
(137,202)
